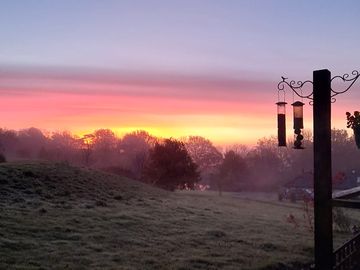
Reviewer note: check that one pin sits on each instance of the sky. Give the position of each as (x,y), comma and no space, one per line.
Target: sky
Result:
(171,67)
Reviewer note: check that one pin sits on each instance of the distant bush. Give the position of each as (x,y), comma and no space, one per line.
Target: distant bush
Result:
(2,158)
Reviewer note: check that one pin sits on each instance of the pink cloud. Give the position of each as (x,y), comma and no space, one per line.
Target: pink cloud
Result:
(212,106)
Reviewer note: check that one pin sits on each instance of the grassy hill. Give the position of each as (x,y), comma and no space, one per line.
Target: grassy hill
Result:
(54,216)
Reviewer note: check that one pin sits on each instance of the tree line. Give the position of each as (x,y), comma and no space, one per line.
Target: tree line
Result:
(184,163)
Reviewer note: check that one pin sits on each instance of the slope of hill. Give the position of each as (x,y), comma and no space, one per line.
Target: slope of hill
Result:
(54,216)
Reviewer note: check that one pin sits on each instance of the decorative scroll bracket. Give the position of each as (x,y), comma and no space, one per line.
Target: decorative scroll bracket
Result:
(345,78)
(298,86)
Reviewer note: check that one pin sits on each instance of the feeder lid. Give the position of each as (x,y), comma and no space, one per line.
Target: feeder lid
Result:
(298,103)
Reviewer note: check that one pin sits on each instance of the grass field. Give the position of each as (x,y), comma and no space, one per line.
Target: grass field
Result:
(53,216)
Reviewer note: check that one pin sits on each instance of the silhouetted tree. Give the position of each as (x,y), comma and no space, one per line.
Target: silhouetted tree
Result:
(267,162)
(31,141)
(203,152)
(104,145)
(145,136)
(62,146)
(240,149)
(8,142)
(170,166)
(344,146)
(134,148)
(232,173)
(205,155)
(87,145)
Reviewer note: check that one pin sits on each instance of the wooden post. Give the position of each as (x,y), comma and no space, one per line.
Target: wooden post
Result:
(322,170)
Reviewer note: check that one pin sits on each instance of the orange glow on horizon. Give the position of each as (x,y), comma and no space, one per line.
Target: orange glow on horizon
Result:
(226,112)
(222,136)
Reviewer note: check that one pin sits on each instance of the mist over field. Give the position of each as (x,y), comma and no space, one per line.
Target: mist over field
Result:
(264,167)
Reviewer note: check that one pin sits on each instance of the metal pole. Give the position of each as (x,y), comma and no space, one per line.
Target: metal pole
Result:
(322,170)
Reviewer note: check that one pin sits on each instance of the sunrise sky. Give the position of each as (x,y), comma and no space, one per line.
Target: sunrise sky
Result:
(171,67)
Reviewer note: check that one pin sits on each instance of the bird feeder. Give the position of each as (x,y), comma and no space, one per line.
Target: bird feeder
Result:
(281,112)
(298,123)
